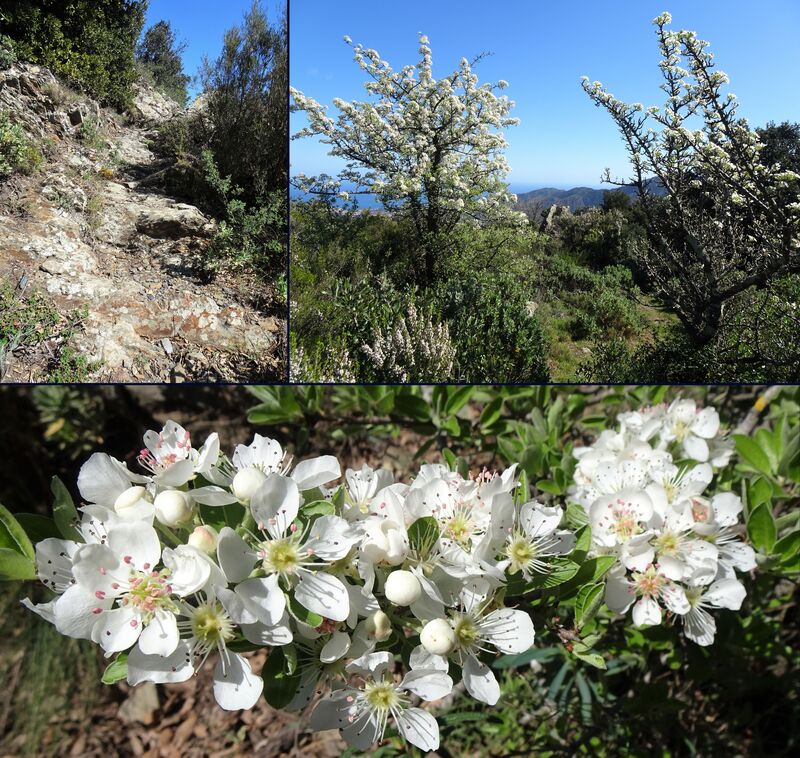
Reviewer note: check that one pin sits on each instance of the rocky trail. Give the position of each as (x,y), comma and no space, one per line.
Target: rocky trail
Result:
(117,259)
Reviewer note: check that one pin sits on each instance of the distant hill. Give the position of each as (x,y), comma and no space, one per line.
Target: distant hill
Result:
(577,197)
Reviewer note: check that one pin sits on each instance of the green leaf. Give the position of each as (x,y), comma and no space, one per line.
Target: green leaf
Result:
(593,659)
(457,399)
(760,491)
(12,535)
(38,527)
(576,516)
(318,508)
(491,412)
(545,485)
(523,659)
(303,614)
(15,566)
(64,513)
(761,528)
(423,533)
(588,601)
(787,547)
(117,670)
(751,452)
(279,686)
(413,406)
(561,570)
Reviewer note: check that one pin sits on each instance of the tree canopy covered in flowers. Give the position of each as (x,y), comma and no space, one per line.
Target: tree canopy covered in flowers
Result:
(432,148)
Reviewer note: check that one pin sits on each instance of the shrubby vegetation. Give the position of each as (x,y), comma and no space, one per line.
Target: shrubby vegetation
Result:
(158,56)
(89,42)
(211,149)
(695,279)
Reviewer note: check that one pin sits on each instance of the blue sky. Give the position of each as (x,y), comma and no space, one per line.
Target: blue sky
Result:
(202,24)
(542,49)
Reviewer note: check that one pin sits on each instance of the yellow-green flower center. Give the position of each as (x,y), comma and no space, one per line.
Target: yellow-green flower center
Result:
(521,552)
(280,556)
(382,696)
(667,543)
(467,633)
(211,625)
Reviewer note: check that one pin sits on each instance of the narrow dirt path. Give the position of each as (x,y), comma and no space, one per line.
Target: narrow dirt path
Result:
(88,231)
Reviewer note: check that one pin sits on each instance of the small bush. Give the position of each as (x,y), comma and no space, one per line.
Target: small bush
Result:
(8,55)
(496,335)
(18,154)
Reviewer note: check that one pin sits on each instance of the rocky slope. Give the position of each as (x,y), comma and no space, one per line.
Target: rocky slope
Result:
(116,256)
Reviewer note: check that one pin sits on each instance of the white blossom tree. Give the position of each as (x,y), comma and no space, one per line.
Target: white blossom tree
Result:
(730,224)
(428,148)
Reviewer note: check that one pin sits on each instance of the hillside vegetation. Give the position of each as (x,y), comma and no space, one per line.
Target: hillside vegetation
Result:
(687,273)
(138,241)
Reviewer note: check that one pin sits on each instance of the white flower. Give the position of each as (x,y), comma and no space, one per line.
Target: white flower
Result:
(698,624)
(644,591)
(535,538)
(402,588)
(362,714)
(691,428)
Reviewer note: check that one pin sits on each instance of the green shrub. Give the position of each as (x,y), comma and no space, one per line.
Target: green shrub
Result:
(250,237)
(91,42)
(18,154)
(497,337)
(8,55)
(158,56)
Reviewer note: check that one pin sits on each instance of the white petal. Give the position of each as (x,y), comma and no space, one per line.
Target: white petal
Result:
(73,615)
(725,593)
(323,594)
(646,612)
(190,569)
(155,668)
(671,567)
(699,626)
(160,636)
(420,658)
(538,520)
(235,606)
(177,474)
(330,538)
(479,681)
(371,663)
(212,495)
(428,684)
(235,684)
(695,448)
(316,471)
(274,636)
(102,479)
(45,610)
(327,714)
(263,452)
(419,728)
(235,558)
(726,507)
(706,423)
(742,556)
(674,597)
(509,630)
(619,594)
(263,598)
(137,543)
(361,734)
(275,504)
(335,648)
(117,629)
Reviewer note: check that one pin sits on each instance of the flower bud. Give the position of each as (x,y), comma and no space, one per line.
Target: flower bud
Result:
(402,588)
(129,498)
(378,626)
(438,637)
(173,507)
(246,483)
(204,539)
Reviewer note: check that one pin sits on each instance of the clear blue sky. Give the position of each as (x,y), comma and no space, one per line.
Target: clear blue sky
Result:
(202,24)
(542,49)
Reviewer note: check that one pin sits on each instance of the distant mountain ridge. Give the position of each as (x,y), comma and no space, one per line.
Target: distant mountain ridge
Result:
(578,197)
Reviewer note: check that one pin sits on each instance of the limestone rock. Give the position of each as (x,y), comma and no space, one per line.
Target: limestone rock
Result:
(172,222)
(151,106)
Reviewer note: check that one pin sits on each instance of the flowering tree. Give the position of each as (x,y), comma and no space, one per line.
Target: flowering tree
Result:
(375,596)
(729,224)
(431,148)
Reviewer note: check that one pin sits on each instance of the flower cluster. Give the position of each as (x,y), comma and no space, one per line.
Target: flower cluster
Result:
(372,594)
(644,488)
(204,554)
